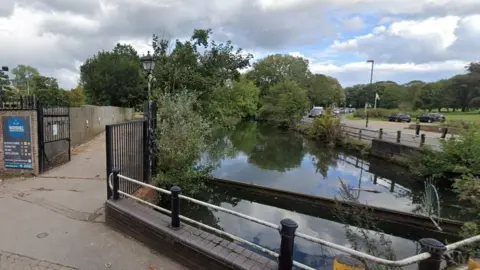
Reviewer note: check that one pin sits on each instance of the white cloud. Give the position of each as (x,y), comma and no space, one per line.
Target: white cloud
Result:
(432,39)
(53,35)
(354,24)
(359,72)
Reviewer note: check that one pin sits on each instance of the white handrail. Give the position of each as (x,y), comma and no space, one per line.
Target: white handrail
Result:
(402,262)
(235,213)
(144,184)
(234,237)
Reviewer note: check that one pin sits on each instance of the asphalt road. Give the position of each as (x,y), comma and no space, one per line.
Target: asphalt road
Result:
(390,130)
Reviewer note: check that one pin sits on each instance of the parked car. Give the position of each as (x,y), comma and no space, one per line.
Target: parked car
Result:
(315,112)
(336,111)
(432,117)
(400,117)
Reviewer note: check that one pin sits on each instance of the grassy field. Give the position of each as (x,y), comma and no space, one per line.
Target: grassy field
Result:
(467,117)
(451,116)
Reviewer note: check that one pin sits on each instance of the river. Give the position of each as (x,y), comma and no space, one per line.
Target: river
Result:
(263,155)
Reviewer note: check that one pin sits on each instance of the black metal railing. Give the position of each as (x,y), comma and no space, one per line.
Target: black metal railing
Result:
(429,257)
(127,149)
(20,103)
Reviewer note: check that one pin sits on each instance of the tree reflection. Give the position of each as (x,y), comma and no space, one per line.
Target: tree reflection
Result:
(323,157)
(276,149)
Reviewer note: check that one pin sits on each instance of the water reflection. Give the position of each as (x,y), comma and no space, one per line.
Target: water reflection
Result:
(256,153)
(314,255)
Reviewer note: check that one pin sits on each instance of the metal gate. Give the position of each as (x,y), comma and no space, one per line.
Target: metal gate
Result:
(53,136)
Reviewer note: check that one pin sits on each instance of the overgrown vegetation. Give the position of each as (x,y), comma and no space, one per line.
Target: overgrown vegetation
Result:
(458,157)
(361,230)
(327,128)
(182,137)
(468,188)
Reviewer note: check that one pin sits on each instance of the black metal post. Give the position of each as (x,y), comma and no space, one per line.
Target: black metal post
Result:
(366,123)
(175,203)
(399,135)
(380,133)
(444,132)
(146,152)
(436,249)
(109,151)
(417,130)
(287,233)
(359,134)
(422,140)
(115,184)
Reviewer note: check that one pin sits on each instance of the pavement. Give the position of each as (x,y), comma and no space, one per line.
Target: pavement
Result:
(56,221)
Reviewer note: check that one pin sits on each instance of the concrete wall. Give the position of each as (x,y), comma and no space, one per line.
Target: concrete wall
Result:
(33,134)
(386,149)
(89,121)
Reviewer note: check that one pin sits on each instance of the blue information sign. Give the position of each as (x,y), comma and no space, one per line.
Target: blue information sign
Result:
(17,142)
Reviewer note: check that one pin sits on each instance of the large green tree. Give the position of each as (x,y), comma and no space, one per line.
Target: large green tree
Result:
(234,100)
(200,65)
(23,76)
(324,90)
(114,78)
(284,104)
(278,68)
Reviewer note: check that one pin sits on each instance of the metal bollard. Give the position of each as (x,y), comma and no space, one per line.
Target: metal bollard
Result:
(417,130)
(115,184)
(444,133)
(399,134)
(175,207)
(436,249)
(345,262)
(359,134)
(380,133)
(287,233)
(422,140)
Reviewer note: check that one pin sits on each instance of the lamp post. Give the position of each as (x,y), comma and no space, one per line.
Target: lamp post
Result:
(371,81)
(148,63)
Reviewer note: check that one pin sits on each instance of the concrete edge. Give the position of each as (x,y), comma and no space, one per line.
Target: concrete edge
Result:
(193,247)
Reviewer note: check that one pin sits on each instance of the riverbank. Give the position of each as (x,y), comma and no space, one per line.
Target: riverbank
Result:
(354,145)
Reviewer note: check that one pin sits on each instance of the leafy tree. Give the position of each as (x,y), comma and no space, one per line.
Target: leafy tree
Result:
(234,100)
(47,91)
(23,75)
(114,78)
(75,97)
(278,68)
(284,103)
(324,90)
(200,65)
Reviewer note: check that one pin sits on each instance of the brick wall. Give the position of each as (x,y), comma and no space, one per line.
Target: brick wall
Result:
(33,130)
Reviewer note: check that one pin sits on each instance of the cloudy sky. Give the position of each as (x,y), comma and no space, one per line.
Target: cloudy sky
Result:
(408,39)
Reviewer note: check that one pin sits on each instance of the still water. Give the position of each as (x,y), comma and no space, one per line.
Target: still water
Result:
(267,156)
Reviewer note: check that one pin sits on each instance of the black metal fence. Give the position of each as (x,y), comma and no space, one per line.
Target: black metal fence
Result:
(20,104)
(53,136)
(127,149)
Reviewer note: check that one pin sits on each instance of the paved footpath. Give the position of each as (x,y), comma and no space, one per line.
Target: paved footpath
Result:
(56,221)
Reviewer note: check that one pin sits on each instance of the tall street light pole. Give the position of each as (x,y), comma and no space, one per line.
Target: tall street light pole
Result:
(148,63)
(371,82)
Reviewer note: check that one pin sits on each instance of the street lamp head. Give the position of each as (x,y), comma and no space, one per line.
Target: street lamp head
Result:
(148,62)
(370,61)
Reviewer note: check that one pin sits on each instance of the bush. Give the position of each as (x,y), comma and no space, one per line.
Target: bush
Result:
(458,157)
(182,136)
(326,128)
